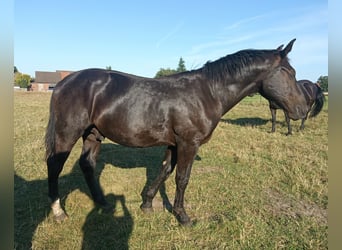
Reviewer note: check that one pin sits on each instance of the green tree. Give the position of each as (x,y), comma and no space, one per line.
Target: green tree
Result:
(181,65)
(165,72)
(323,82)
(168,71)
(15,69)
(109,67)
(22,80)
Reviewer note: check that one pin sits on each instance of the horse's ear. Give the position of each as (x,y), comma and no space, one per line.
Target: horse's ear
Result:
(287,49)
(280,47)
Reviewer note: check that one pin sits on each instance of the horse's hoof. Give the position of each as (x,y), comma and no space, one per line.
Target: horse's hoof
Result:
(182,218)
(146,210)
(187,223)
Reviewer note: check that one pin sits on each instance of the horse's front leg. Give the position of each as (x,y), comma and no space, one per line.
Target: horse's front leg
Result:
(302,124)
(274,114)
(289,128)
(186,156)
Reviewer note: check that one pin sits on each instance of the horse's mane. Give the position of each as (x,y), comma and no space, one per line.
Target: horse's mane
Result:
(237,64)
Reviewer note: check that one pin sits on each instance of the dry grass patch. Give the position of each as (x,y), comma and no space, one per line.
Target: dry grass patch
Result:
(280,205)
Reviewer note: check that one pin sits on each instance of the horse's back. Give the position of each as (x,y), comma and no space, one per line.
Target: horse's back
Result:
(307,84)
(92,78)
(309,90)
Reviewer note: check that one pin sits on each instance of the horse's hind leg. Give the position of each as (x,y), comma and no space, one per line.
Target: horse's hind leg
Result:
(168,166)
(55,162)
(91,147)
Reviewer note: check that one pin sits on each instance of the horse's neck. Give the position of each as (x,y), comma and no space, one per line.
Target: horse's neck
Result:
(230,93)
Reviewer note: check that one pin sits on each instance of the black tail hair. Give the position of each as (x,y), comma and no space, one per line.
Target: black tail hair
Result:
(319,102)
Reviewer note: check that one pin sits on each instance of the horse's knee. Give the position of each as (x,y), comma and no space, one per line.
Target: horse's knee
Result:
(182,181)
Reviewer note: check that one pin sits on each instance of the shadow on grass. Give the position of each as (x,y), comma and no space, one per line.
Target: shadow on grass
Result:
(32,205)
(127,157)
(253,122)
(30,209)
(105,230)
(248,121)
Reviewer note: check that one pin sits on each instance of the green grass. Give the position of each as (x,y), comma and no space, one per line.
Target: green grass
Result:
(249,189)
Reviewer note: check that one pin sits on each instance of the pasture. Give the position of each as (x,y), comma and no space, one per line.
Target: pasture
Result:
(249,189)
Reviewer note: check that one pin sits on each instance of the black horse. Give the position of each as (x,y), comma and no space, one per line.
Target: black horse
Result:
(314,99)
(180,111)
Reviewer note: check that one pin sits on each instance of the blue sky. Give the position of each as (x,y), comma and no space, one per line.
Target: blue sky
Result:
(140,37)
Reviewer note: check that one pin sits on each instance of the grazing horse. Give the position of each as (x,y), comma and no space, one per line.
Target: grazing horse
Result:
(314,99)
(180,111)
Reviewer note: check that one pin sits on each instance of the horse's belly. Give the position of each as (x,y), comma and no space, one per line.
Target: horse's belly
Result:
(140,137)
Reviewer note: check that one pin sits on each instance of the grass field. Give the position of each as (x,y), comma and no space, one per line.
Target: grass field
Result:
(249,189)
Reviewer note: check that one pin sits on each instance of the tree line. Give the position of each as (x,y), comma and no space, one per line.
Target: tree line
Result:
(323,83)
(168,71)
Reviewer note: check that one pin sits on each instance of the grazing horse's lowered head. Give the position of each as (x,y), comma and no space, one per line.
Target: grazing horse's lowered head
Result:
(314,97)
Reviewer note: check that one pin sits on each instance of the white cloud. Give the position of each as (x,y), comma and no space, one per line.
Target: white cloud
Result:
(170,34)
(243,22)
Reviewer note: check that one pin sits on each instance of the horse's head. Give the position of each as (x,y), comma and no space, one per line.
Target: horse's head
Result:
(280,85)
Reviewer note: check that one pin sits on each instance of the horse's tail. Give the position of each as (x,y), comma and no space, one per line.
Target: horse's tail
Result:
(319,102)
(50,133)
